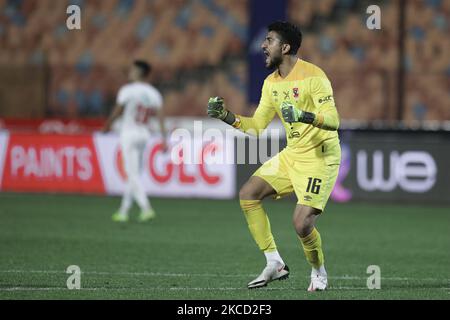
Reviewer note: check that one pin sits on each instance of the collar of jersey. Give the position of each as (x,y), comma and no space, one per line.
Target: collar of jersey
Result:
(291,75)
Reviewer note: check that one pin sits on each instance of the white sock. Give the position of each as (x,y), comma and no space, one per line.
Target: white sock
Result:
(139,194)
(273,257)
(321,271)
(127,201)
(142,200)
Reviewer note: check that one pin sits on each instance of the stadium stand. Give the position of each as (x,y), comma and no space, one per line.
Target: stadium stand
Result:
(357,57)
(198,48)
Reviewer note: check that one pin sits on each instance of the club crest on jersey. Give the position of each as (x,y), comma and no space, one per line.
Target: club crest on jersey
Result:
(295,92)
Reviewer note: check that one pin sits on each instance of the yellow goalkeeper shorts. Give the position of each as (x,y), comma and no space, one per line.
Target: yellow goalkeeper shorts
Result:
(311,176)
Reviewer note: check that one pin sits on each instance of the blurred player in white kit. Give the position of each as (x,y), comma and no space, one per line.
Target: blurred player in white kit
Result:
(137,101)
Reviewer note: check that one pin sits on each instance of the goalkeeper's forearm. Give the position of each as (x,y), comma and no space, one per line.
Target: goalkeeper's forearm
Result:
(216,109)
(230,118)
(326,120)
(250,125)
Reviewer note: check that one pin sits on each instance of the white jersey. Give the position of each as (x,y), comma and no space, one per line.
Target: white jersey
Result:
(141,101)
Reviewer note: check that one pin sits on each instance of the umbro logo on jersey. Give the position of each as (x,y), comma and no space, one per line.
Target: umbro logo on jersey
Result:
(307,198)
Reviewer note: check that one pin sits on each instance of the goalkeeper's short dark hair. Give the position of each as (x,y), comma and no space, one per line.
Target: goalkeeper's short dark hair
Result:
(143,66)
(289,33)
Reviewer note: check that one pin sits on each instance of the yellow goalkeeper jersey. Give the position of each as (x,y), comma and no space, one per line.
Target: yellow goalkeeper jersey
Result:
(307,88)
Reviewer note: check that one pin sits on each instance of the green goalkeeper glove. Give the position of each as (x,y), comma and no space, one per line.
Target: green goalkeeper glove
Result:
(216,109)
(292,114)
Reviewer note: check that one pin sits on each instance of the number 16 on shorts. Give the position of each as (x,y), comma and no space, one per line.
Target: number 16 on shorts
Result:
(313,185)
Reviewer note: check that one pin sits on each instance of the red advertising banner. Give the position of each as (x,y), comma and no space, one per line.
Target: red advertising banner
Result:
(93,164)
(51,163)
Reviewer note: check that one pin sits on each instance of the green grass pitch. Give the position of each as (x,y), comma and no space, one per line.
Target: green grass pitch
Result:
(199,249)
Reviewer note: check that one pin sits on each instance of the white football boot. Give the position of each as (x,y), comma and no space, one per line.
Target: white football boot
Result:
(319,281)
(271,272)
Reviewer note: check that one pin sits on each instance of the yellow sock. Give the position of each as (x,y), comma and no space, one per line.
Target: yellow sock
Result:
(312,246)
(259,224)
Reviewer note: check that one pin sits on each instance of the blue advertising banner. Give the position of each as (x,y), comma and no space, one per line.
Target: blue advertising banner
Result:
(262,13)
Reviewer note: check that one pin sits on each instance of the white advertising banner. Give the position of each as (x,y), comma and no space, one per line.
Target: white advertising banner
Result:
(203,171)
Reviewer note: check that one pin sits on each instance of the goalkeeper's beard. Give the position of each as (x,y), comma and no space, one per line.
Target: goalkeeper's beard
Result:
(274,63)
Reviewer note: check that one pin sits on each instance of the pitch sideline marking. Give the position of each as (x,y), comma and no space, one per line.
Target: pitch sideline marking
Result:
(208,275)
(12,289)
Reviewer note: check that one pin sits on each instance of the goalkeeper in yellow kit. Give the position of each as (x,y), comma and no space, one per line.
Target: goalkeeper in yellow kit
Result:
(301,95)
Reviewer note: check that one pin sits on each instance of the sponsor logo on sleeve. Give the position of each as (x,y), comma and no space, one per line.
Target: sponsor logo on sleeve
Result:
(325,99)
